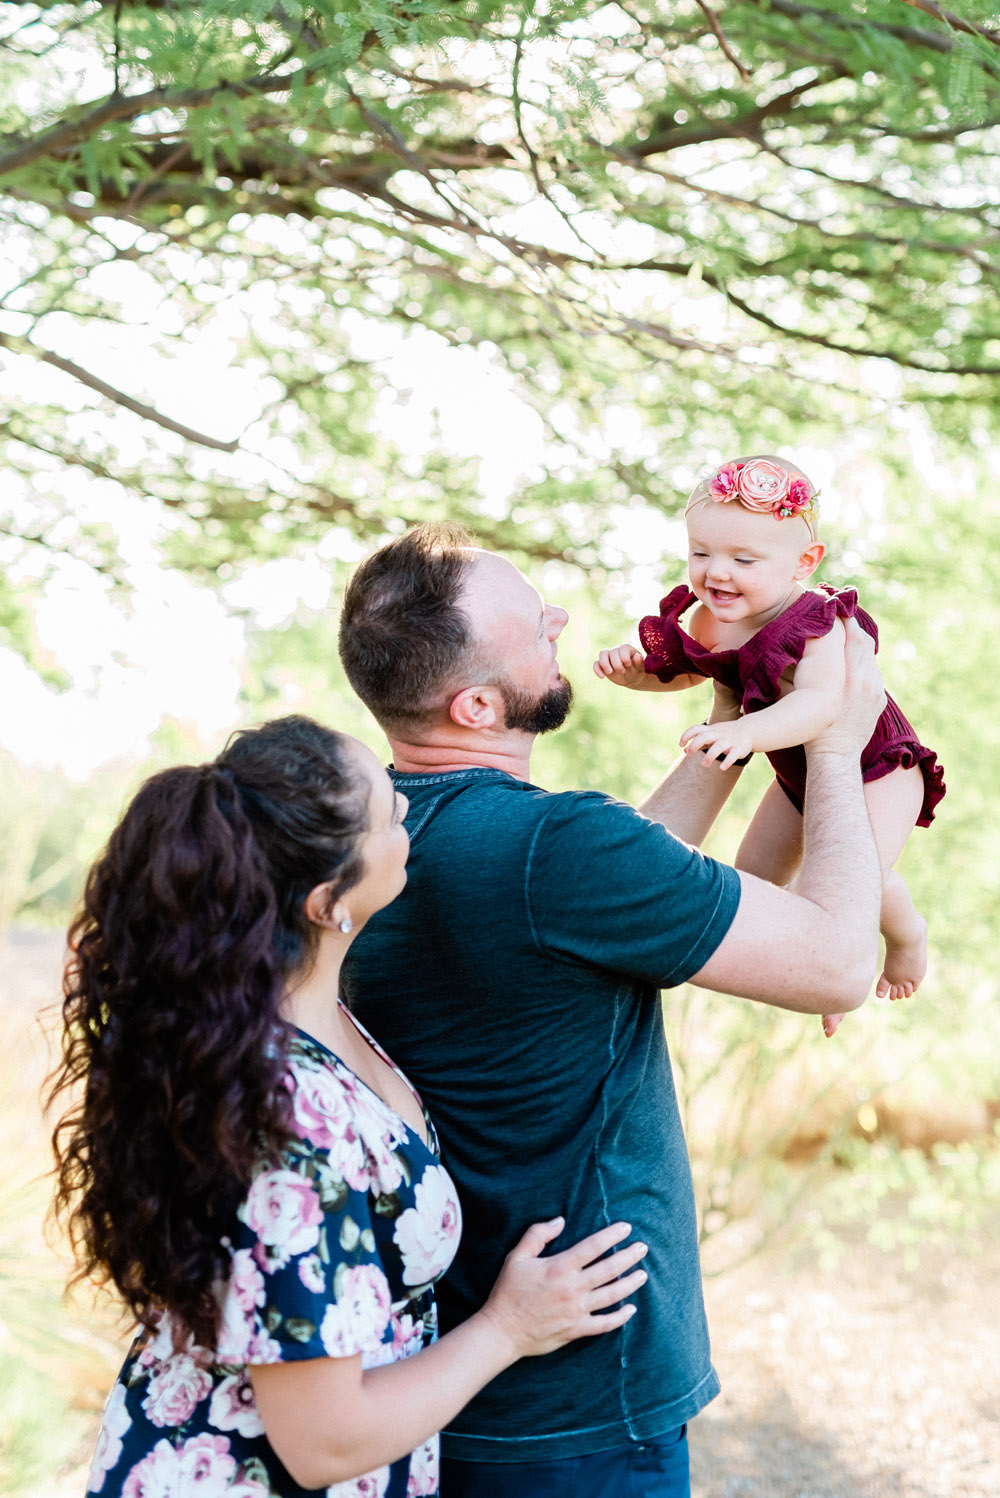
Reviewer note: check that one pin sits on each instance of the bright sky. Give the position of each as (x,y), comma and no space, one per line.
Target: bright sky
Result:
(175,650)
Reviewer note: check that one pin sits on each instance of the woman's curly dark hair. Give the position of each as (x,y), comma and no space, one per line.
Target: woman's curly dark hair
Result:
(192,920)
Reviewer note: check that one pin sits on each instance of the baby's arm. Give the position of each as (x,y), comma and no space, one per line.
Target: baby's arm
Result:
(799,716)
(624,667)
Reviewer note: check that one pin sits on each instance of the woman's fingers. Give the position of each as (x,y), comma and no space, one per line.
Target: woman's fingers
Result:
(597,1245)
(531,1243)
(617,1290)
(608,1271)
(607,1321)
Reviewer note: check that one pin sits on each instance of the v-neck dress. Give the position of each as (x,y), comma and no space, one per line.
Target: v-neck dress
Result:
(334,1252)
(754,672)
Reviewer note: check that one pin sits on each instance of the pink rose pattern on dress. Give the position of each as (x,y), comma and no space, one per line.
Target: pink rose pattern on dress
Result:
(356,1322)
(283,1211)
(423,1479)
(109,1443)
(371,1485)
(332,1253)
(174,1390)
(428,1232)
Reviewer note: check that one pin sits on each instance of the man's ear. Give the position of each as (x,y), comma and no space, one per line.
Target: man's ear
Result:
(476,707)
(810,560)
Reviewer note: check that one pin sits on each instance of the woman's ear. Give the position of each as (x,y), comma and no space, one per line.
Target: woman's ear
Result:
(321,908)
(810,560)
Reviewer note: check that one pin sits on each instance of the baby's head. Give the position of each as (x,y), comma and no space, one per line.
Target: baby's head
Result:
(764,485)
(752,536)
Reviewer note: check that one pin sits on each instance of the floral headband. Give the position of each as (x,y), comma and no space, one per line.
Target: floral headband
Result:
(760,485)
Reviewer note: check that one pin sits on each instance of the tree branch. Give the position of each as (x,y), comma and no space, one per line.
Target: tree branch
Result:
(720,37)
(116,108)
(93,382)
(953,22)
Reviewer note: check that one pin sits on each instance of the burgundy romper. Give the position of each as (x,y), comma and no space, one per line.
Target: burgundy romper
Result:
(754,671)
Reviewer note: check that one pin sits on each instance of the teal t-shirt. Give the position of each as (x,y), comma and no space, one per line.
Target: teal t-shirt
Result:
(515,982)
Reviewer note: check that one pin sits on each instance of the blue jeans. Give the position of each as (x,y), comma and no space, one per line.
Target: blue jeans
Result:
(642,1469)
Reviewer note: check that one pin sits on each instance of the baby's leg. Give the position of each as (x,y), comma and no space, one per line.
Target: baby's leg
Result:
(894,804)
(772,844)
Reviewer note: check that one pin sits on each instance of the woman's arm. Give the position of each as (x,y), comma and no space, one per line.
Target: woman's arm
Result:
(799,716)
(330,1420)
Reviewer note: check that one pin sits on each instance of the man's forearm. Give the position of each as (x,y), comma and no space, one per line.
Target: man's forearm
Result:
(688,800)
(840,866)
(810,949)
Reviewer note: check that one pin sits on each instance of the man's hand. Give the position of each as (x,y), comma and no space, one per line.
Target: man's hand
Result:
(623,665)
(861,704)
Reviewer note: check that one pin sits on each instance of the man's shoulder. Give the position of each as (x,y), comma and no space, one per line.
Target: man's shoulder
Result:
(474,789)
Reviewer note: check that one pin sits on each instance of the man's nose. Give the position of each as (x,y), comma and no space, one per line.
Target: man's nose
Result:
(556,620)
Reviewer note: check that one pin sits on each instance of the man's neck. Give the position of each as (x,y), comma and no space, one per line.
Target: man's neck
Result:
(512,756)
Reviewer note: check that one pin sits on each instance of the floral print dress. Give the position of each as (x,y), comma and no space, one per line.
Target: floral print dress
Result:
(334,1253)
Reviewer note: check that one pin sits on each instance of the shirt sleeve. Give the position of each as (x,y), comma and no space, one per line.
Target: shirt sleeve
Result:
(306,1280)
(609,888)
(307,1276)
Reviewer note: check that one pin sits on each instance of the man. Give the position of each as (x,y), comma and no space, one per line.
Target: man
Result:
(516,980)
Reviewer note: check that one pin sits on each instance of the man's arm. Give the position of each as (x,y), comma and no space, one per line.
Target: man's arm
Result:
(815,950)
(695,790)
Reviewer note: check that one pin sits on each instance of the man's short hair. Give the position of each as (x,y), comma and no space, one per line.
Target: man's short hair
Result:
(403,636)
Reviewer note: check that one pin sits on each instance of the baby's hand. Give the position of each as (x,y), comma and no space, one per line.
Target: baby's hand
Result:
(623,666)
(723,743)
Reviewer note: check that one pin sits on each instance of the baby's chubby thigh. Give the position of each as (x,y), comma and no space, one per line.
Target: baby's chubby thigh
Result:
(772,844)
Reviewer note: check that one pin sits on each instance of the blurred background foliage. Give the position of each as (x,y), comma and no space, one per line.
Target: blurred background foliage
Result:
(256,258)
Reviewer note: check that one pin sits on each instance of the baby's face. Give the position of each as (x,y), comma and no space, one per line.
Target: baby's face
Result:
(742,565)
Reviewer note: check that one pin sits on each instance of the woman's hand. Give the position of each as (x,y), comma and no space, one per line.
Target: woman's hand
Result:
(540,1304)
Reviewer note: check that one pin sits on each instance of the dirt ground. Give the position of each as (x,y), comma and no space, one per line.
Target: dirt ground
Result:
(865,1382)
(868,1381)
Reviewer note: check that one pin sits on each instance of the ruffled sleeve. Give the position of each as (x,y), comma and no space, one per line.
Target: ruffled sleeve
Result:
(780,644)
(663,639)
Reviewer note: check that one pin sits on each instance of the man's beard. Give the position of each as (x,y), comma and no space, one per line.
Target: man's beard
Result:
(536,714)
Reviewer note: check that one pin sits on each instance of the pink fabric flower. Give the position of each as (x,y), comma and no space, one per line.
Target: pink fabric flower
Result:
(722,485)
(799,497)
(762,485)
(174,1390)
(284,1211)
(428,1232)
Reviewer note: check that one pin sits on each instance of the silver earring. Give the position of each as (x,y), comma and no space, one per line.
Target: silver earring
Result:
(346,925)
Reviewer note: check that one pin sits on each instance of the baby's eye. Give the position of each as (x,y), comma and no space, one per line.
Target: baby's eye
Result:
(699,553)
(745,561)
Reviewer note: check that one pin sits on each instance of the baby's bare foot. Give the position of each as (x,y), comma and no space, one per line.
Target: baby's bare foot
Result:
(905,964)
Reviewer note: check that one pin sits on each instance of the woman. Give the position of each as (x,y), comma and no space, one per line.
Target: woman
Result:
(249,1169)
